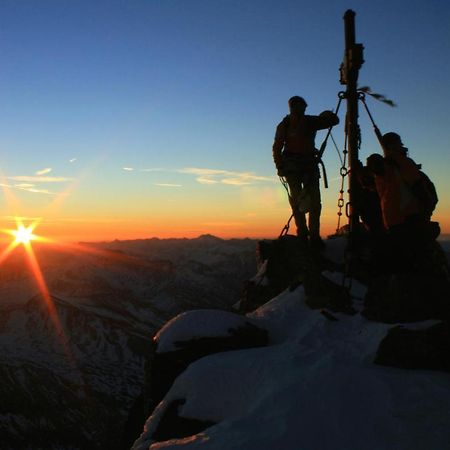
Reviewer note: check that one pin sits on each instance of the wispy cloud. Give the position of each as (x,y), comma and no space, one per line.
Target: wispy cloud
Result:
(24,185)
(44,171)
(209,176)
(42,191)
(214,176)
(206,180)
(147,169)
(39,179)
(203,171)
(72,160)
(168,185)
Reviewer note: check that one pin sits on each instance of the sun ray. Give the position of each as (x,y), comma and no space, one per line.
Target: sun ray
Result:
(24,236)
(8,250)
(11,201)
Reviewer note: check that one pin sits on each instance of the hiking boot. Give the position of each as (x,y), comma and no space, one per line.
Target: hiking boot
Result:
(317,243)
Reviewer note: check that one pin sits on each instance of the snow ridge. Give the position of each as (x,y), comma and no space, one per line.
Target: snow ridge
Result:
(314,387)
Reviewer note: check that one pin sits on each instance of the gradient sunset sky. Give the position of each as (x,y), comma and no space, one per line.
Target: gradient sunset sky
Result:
(140,118)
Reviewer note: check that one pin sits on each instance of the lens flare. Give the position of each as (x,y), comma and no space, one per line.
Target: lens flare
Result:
(24,235)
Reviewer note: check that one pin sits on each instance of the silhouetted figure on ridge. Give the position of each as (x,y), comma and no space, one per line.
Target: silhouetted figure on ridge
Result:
(296,159)
(405,200)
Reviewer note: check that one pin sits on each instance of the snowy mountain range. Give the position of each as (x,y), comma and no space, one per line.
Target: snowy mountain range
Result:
(74,387)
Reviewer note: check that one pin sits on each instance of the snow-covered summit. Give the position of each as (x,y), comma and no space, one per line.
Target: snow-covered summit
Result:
(314,387)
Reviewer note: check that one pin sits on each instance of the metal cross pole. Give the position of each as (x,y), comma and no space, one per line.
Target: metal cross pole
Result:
(353,60)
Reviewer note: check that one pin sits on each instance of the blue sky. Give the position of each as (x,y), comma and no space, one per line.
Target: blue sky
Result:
(174,84)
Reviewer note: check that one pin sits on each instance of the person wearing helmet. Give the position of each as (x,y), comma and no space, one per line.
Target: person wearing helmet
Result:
(295,157)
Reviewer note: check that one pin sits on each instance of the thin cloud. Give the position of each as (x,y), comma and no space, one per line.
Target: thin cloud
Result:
(215,176)
(39,179)
(41,191)
(235,181)
(206,180)
(24,185)
(72,160)
(202,171)
(44,171)
(209,176)
(168,185)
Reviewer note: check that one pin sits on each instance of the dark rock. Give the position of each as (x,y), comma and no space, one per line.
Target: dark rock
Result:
(135,423)
(255,294)
(164,368)
(289,262)
(407,297)
(173,426)
(323,293)
(416,349)
(288,259)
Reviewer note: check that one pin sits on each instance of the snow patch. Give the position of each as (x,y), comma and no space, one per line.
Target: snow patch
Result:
(196,324)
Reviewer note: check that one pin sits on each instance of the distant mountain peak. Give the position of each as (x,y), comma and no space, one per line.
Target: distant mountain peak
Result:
(209,238)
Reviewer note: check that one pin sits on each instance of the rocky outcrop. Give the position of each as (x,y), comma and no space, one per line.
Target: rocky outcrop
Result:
(427,348)
(173,426)
(172,353)
(411,293)
(286,263)
(403,298)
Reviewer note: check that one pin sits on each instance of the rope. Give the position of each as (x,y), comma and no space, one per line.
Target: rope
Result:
(377,131)
(285,229)
(337,149)
(341,96)
(324,173)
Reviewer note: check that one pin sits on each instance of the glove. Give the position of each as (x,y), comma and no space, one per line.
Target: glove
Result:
(330,117)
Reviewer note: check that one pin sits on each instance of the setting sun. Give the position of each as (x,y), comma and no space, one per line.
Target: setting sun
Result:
(24,235)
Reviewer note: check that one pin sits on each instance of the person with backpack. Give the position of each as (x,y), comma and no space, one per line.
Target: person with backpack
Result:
(407,199)
(405,192)
(296,159)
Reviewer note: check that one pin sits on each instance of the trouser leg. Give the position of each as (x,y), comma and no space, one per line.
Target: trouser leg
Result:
(295,187)
(312,186)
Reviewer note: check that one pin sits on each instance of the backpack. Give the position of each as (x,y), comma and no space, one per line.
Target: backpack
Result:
(425,191)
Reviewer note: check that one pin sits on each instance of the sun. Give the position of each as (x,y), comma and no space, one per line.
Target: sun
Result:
(24,235)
